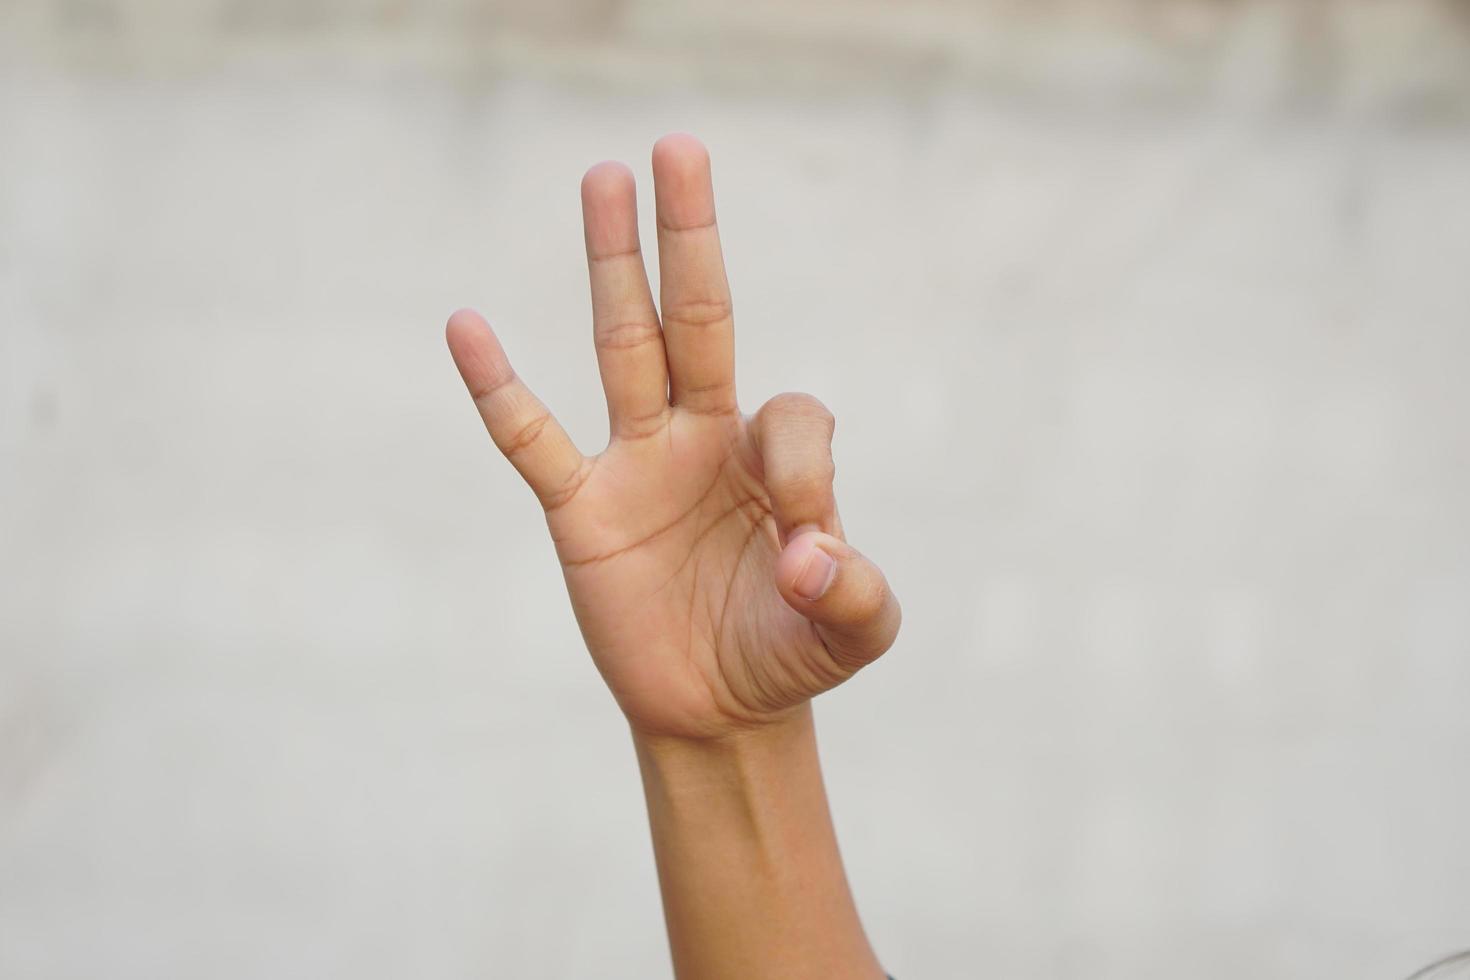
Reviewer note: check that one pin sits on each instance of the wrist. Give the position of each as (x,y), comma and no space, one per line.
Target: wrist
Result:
(767,743)
(747,783)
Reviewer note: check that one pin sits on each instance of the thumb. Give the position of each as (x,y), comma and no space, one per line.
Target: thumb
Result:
(842,593)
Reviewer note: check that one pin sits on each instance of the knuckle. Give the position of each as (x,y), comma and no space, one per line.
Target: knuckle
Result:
(525,437)
(633,428)
(628,336)
(483,392)
(812,484)
(699,389)
(708,312)
(847,661)
(800,407)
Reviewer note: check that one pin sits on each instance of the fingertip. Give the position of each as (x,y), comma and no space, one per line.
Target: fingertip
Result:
(601,179)
(465,316)
(681,182)
(476,350)
(462,325)
(849,600)
(609,210)
(673,149)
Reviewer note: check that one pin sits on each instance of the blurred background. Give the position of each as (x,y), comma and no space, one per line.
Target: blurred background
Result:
(1145,323)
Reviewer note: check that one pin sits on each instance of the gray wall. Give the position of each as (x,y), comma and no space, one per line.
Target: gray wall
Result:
(1146,329)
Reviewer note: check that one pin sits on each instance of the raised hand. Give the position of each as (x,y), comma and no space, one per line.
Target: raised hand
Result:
(702,548)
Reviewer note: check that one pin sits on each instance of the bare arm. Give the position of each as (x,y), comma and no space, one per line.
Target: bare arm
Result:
(712,582)
(752,881)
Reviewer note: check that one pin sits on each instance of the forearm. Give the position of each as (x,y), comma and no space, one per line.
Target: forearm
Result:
(752,881)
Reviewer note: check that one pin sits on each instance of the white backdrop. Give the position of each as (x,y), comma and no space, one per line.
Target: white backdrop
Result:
(1145,327)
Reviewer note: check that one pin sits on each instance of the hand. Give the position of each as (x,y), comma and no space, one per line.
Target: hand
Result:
(702,549)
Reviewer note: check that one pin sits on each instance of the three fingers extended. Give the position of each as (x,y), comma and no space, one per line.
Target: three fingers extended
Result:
(650,362)
(681,355)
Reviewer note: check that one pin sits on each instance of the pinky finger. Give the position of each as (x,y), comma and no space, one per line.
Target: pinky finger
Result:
(523,429)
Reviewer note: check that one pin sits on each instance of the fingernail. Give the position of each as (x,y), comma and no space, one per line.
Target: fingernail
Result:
(816,575)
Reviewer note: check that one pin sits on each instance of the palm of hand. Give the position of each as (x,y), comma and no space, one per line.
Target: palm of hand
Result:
(701,549)
(669,550)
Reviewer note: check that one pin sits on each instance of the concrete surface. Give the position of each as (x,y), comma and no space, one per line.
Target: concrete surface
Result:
(1146,330)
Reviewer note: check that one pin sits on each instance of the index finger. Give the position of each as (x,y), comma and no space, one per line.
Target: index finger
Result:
(523,429)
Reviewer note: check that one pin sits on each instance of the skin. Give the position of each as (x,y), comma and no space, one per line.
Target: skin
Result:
(710,577)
